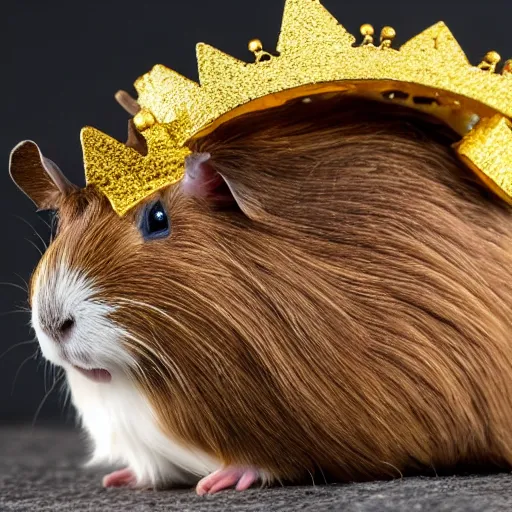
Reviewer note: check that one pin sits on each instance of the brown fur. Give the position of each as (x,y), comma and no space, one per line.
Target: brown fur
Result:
(354,320)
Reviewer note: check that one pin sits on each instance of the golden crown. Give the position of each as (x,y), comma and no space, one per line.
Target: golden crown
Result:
(315,55)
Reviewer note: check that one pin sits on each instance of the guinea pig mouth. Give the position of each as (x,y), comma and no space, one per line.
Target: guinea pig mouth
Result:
(96,374)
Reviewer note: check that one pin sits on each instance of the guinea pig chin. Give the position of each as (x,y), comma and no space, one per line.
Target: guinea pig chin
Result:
(73,325)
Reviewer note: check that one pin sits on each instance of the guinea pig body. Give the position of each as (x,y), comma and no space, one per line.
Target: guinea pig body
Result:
(346,315)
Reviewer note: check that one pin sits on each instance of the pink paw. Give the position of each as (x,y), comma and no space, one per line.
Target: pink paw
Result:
(239,477)
(121,478)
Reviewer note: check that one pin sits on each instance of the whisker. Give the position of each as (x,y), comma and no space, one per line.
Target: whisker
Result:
(46,223)
(33,229)
(23,280)
(155,359)
(38,249)
(158,357)
(15,312)
(16,345)
(50,371)
(217,354)
(66,394)
(167,316)
(19,287)
(45,373)
(44,400)
(41,361)
(32,356)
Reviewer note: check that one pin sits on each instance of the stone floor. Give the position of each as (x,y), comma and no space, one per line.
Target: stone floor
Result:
(40,470)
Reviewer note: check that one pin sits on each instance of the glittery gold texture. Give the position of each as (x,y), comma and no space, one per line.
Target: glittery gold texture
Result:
(124,175)
(315,54)
(489,146)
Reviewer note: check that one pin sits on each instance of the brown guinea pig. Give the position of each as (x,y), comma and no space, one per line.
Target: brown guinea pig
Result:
(325,295)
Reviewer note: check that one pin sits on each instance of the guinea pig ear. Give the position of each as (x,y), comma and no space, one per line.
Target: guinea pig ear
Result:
(202,181)
(38,177)
(136,140)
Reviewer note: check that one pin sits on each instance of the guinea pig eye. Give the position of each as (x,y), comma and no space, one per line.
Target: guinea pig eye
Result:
(155,223)
(51,219)
(54,225)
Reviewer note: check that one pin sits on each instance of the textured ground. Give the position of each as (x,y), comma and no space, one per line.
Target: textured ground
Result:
(40,471)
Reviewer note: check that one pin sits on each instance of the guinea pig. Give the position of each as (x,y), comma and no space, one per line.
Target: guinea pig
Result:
(324,296)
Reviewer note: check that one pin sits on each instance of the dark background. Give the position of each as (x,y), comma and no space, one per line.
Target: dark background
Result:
(62,62)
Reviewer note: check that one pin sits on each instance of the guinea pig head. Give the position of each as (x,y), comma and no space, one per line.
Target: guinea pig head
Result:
(111,293)
(69,315)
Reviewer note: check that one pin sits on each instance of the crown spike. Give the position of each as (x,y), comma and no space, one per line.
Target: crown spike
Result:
(487,150)
(161,82)
(123,174)
(439,39)
(224,81)
(308,23)
(213,63)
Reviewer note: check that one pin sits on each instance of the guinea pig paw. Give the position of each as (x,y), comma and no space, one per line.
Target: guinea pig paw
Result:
(225,478)
(121,478)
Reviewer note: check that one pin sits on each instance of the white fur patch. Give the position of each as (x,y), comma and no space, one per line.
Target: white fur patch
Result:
(124,430)
(94,341)
(117,416)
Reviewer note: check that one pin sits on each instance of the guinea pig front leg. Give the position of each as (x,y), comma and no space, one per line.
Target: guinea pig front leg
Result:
(120,478)
(231,476)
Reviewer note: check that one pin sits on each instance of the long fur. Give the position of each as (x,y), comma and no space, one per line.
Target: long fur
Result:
(349,318)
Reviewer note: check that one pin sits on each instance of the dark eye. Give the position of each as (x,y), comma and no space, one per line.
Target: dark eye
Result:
(155,223)
(51,219)
(54,225)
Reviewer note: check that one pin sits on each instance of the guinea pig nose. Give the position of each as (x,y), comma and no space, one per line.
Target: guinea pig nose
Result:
(63,329)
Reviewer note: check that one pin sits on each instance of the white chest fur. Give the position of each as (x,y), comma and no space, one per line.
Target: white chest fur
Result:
(123,429)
